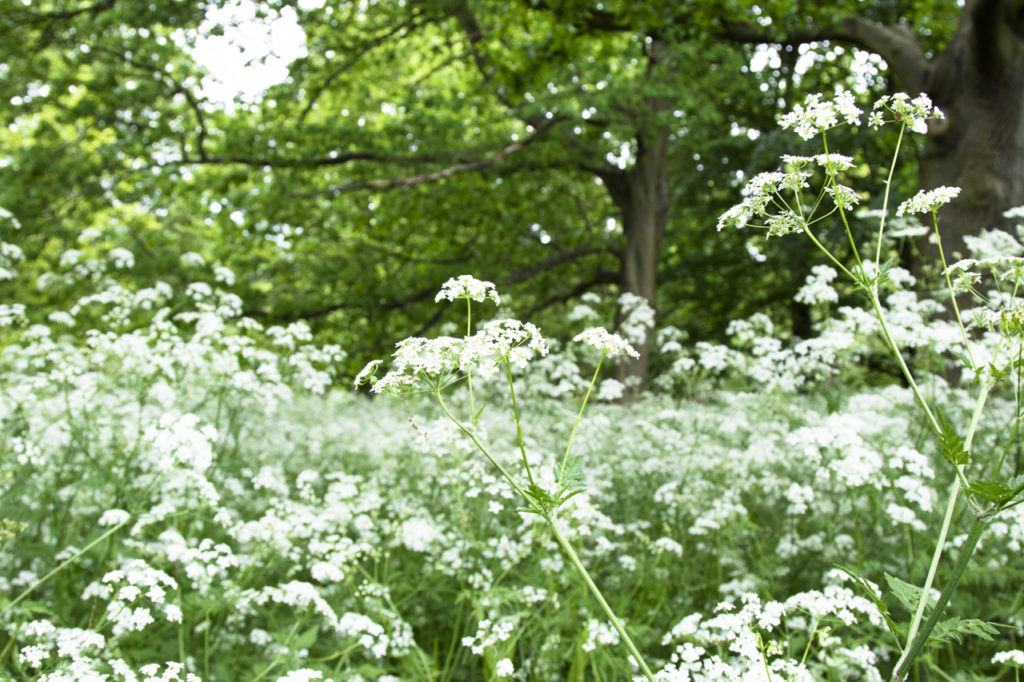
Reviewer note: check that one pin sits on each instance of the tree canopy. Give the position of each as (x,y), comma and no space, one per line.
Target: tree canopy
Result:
(553,147)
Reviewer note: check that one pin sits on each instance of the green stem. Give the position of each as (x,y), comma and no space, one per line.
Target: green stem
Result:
(949,286)
(469,371)
(966,552)
(277,659)
(481,448)
(519,426)
(842,213)
(947,520)
(885,198)
(579,415)
(61,566)
(877,306)
(594,590)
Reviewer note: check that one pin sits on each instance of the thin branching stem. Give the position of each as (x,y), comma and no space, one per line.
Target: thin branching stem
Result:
(579,415)
(519,426)
(594,590)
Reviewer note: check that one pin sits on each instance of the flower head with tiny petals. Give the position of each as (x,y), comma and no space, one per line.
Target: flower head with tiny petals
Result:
(468,287)
(815,116)
(928,201)
(911,112)
(606,342)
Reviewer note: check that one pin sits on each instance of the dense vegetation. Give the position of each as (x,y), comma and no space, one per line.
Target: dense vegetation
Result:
(792,459)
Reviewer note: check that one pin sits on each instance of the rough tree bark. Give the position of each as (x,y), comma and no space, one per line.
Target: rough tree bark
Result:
(642,196)
(978,82)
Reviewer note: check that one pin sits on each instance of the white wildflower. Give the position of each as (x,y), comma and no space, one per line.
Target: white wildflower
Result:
(927,201)
(606,342)
(815,116)
(469,287)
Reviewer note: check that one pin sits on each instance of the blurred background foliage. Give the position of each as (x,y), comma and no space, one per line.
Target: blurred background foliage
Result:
(411,141)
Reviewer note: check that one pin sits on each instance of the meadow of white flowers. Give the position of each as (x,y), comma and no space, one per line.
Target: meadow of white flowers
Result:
(186,494)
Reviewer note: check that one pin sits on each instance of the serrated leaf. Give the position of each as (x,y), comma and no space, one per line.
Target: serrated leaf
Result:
(996,492)
(956,629)
(884,269)
(869,590)
(542,497)
(906,594)
(950,445)
(572,476)
(306,639)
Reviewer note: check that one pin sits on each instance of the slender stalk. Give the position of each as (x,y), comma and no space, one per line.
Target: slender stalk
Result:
(519,426)
(469,370)
(949,286)
(885,197)
(877,306)
(594,590)
(62,564)
(940,542)
(480,446)
(579,415)
(842,213)
(966,552)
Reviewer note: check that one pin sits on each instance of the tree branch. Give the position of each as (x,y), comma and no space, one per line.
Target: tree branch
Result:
(384,184)
(556,259)
(897,45)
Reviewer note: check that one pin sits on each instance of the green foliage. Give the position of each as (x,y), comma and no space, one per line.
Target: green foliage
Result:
(950,444)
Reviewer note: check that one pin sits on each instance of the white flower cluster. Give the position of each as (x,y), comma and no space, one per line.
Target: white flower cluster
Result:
(609,344)
(832,163)
(489,633)
(469,287)
(911,112)
(1014,657)
(928,201)
(436,360)
(179,440)
(133,591)
(637,317)
(816,288)
(599,632)
(816,116)
(743,633)
(763,191)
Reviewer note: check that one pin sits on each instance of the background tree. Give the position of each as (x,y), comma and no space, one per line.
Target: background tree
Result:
(552,147)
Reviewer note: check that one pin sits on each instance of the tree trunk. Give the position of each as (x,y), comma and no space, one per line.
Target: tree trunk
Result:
(642,196)
(978,82)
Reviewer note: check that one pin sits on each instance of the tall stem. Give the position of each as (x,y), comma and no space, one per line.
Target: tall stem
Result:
(579,415)
(519,426)
(469,370)
(594,590)
(966,552)
(913,634)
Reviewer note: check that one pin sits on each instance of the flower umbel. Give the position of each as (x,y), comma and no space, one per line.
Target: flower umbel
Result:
(469,287)
(815,116)
(606,342)
(927,201)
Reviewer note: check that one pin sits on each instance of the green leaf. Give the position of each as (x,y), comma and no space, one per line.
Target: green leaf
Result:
(908,595)
(572,476)
(306,639)
(956,629)
(869,591)
(996,492)
(950,444)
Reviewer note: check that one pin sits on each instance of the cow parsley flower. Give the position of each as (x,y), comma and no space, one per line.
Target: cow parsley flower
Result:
(606,342)
(928,201)
(911,112)
(815,116)
(469,287)
(504,668)
(1013,657)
